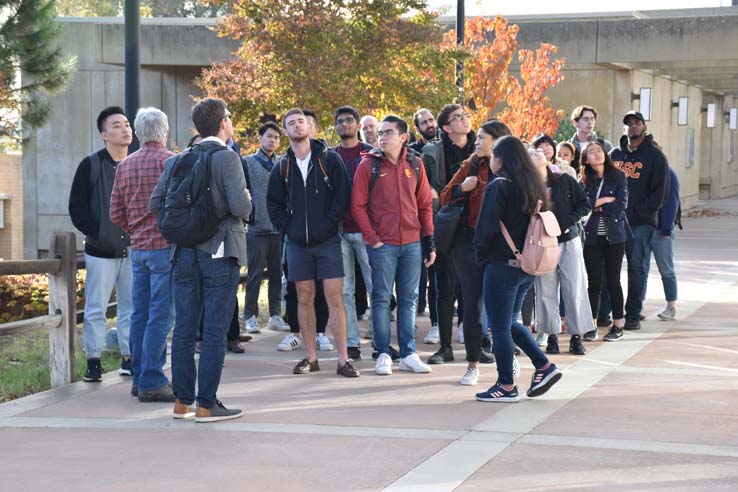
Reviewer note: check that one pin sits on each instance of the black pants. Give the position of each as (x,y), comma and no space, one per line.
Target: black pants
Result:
(446,282)
(233,330)
(612,256)
(529,306)
(360,294)
(264,251)
(321,308)
(432,294)
(471,278)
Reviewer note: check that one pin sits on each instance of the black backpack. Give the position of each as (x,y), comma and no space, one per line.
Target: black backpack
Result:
(188,215)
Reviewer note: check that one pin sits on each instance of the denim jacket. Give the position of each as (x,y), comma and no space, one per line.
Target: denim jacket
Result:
(616,222)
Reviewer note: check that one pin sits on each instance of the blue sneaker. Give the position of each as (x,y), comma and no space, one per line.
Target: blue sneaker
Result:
(498,393)
(543,380)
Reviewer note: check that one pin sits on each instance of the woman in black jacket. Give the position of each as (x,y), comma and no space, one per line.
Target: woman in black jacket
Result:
(569,279)
(606,230)
(509,200)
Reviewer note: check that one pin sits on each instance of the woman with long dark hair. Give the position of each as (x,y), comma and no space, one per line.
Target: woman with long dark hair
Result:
(510,200)
(466,189)
(606,230)
(568,282)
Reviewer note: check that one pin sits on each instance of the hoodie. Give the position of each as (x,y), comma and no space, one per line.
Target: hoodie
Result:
(647,171)
(434,159)
(308,212)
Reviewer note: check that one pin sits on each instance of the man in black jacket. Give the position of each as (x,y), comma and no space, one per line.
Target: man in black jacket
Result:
(647,170)
(108,263)
(307,196)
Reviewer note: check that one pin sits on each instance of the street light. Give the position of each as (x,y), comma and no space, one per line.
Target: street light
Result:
(133,27)
(460,44)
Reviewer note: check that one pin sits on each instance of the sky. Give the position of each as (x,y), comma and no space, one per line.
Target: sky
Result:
(531,7)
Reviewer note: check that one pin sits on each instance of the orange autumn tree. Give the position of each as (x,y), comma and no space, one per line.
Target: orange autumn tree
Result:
(490,90)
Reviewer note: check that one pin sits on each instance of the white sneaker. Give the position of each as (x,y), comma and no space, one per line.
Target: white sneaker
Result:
(460,333)
(413,363)
(471,377)
(252,326)
(383,367)
(290,342)
(432,336)
(516,367)
(277,323)
(541,339)
(668,314)
(322,343)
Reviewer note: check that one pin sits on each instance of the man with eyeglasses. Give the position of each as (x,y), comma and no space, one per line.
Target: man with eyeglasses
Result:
(391,203)
(442,159)
(353,248)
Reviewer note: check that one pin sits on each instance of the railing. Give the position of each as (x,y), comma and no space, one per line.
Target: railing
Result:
(62,318)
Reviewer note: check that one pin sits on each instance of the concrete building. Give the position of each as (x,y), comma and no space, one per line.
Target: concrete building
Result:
(611,58)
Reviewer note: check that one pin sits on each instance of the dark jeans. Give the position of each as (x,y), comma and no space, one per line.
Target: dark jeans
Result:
(504,289)
(264,251)
(446,282)
(471,278)
(202,285)
(612,256)
(638,251)
(529,306)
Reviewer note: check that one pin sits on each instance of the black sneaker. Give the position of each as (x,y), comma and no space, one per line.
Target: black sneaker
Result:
(604,322)
(615,333)
(632,324)
(542,380)
(486,343)
(393,353)
(126,368)
(486,357)
(163,394)
(444,354)
(134,390)
(93,374)
(216,414)
(553,345)
(354,353)
(575,345)
(590,336)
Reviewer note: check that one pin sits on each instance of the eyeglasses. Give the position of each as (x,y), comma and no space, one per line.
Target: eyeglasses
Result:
(461,116)
(345,121)
(385,133)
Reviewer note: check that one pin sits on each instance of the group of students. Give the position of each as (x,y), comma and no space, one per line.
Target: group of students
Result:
(326,216)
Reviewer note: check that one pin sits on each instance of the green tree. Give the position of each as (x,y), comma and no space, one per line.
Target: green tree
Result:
(380,56)
(149,8)
(28,45)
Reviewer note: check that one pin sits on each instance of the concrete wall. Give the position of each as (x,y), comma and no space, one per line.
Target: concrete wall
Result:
(719,175)
(11,204)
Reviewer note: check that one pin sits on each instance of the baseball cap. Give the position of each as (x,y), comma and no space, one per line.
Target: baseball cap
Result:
(635,114)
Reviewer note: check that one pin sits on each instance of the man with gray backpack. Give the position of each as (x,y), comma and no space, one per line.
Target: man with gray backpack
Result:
(202,203)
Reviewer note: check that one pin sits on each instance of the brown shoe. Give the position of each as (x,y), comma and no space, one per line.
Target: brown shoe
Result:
(244,338)
(347,370)
(182,411)
(306,367)
(198,346)
(235,347)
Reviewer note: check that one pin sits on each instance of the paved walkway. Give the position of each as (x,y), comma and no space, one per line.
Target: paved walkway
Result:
(656,411)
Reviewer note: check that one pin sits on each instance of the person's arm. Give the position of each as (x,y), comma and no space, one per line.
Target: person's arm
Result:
(668,213)
(360,202)
(237,197)
(658,189)
(453,190)
(341,192)
(488,224)
(118,210)
(79,201)
(620,203)
(579,202)
(277,199)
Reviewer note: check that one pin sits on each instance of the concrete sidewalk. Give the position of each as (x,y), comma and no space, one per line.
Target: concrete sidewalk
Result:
(657,410)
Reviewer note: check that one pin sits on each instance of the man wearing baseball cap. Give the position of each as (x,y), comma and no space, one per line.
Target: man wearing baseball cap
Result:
(647,170)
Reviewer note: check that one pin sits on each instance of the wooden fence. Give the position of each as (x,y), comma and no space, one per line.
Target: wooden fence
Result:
(62,318)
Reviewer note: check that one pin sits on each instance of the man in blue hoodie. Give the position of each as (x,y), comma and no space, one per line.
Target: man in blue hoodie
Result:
(647,170)
(307,196)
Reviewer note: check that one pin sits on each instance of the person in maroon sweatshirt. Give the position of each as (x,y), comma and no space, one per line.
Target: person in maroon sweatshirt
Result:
(391,203)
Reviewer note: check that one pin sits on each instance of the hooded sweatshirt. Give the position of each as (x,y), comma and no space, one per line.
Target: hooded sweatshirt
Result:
(647,171)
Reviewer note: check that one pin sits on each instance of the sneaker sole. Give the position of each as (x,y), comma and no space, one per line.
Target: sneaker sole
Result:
(287,348)
(502,399)
(325,348)
(605,339)
(431,341)
(468,383)
(410,369)
(382,373)
(205,420)
(124,372)
(545,385)
(184,416)
(665,318)
(92,380)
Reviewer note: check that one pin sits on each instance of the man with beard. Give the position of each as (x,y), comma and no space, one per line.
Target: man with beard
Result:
(647,171)
(352,242)
(442,159)
(307,198)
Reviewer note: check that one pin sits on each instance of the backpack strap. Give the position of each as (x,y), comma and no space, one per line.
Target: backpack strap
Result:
(95,168)
(326,179)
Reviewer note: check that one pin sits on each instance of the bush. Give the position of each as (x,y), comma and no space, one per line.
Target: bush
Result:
(27,296)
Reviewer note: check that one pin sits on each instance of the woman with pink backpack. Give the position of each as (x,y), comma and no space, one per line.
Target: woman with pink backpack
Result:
(509,202)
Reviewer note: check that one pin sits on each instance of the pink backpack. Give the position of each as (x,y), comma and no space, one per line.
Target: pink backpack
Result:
(541,251)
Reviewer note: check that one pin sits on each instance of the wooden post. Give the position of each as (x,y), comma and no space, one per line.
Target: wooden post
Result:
(63,301)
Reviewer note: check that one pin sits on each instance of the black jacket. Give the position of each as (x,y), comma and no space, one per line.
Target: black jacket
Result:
(89,208)
(570,204)
(308,212)
(502,202)
(647,171)
(612,214)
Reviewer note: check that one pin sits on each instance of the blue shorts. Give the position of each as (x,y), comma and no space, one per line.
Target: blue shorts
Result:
(315,263)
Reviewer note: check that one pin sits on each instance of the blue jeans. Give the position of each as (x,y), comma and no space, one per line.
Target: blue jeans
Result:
(395,264)
(207,286)
(353,246)
(504,290)
(153,315)
(663,252)
(638,252)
